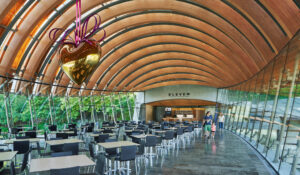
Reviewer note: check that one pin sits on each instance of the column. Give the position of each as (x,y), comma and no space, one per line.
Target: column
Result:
(283,126)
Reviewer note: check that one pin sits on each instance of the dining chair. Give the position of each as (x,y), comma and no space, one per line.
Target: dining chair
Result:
(57,148)
(110,155)
(150,143)
(91,150)
(168,138)
(73,147)
(22,170)
(127,154)
(30,134)
(60,154)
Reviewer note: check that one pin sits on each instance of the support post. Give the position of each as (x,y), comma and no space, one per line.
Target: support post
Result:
(93,107)
(113,108)
(286,113)
(7,110)
(80,108)
(50,108)
(67,106)
(30,109)
(129,107)
(103,108)
(121,108)
(273,112)
(296,157)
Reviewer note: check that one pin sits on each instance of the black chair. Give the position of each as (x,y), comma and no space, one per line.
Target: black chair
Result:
(57,148)
(73,134)
(14,171)
(89,129)
(52,127)
(60,154)
(110,154)
(30,134)
(169,136)
(62,135)
(141,150)
(91,150)
(127,154)
(73,147)
(101,138)
(151,142)
(65,171)
(21,146)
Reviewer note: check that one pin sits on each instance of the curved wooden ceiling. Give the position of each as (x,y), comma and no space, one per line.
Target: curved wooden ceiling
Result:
(150,43)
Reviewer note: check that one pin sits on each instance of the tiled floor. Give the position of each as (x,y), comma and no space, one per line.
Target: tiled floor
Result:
(226,155)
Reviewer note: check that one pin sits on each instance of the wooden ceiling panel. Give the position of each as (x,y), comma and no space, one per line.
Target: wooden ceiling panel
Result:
(227,41)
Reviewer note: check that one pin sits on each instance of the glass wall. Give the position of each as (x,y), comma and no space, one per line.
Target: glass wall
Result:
(265,110)
(28,110)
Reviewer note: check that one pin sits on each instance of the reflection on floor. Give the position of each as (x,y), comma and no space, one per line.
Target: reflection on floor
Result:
(226,155)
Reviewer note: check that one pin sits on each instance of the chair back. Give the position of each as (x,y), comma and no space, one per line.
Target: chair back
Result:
(179,131)
(101,138)
(52,128)
(21,146)
(91,150)
(100,164)
(73,147)
(60,154)
(111,151)
(89,129)
(169,135)
(151,141)
(65,171)
(128,153)
(141,148)
(62,135)
(30,134)
(57,148)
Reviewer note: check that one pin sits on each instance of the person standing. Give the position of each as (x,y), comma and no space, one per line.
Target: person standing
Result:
(207,123)
(221,119)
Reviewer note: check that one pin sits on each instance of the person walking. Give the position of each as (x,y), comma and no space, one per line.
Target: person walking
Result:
(221,119)
(207,123)
(213,130)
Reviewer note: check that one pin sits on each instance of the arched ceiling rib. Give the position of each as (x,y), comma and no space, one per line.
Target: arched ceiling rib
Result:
(227,41)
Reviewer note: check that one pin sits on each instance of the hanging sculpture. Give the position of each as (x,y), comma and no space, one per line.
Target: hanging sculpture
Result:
(79,56)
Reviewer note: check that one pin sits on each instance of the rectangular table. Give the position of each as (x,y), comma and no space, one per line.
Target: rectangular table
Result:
(7,156)
(96,135)
(31,140)
(108,145)
(142,136)
(63,141)
(46,164)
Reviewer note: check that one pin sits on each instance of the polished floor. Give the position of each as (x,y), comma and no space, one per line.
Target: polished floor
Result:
(225,154)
